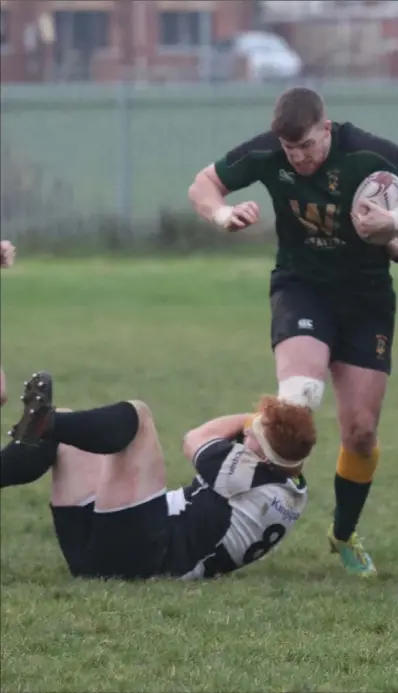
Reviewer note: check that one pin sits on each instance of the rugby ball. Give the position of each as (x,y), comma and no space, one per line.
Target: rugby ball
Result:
(381,188)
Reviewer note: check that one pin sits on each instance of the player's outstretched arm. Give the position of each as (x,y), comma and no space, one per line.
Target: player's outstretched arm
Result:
(222,427)
(207,194)
(237,170)
(7,254)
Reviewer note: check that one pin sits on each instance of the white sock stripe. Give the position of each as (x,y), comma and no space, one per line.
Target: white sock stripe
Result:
(87,501)
(100,511)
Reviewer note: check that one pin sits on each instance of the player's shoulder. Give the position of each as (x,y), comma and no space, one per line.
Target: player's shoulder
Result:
(354,140)
(265,143)
(218,448)
(262,145)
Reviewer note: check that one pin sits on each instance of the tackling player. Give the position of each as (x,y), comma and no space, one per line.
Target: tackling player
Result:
(112,514)
(332,298)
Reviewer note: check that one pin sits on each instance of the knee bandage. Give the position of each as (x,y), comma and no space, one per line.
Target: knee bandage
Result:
(303,391)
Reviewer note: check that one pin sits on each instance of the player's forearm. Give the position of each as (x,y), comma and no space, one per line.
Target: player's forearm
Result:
(222,427)
(226,426)
(205,196)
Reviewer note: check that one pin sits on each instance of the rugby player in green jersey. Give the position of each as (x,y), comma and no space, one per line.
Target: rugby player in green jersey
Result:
(332,297)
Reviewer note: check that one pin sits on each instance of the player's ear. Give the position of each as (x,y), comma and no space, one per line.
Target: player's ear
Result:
(328,125)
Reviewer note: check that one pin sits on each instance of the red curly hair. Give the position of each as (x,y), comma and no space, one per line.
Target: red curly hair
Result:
(289,428)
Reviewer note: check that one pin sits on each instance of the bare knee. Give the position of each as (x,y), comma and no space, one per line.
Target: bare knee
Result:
(359,434)
(75,476)
(143,411)
(137,473)
(3,388)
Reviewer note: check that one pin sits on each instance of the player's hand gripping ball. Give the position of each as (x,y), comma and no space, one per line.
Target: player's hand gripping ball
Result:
(372,207)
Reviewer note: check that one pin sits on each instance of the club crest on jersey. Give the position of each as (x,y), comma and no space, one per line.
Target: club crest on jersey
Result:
(333,181)
(381,345)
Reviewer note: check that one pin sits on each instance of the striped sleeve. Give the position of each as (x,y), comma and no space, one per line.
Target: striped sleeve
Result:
(229,468)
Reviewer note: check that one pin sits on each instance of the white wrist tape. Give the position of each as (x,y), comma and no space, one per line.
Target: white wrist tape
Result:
(222,215)
(394,215)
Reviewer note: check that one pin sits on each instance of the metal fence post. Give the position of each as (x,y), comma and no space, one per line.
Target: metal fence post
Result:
(125,177)
(205,48)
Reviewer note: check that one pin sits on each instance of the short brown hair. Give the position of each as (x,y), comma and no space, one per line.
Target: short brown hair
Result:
(296,111)
(289,429)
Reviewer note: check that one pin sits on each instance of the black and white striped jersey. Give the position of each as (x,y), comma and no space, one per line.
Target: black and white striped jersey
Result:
(236,510)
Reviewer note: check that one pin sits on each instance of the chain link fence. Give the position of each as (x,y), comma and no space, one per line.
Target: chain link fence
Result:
(78,155)
(75,153)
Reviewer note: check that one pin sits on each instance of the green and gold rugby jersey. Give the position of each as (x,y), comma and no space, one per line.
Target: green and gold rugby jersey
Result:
(316,238)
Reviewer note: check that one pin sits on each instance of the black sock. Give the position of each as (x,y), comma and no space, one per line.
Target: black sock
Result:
(103,431)
(22,464)
(350,499)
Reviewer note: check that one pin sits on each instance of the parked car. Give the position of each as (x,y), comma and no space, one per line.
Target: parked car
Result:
(268,55)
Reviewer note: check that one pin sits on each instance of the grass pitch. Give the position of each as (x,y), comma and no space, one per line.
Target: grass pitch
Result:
(191,338)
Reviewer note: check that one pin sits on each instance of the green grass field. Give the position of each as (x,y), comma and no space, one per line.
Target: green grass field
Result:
(191,338)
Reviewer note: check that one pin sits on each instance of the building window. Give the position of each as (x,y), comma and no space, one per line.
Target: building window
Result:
(4,28)
(79,35)
(86,31)
(181,29)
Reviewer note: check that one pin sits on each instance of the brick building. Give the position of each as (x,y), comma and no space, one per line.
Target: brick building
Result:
(340,37)
(154,40)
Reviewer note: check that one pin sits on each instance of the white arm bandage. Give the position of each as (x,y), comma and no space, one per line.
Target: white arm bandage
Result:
(222,215)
